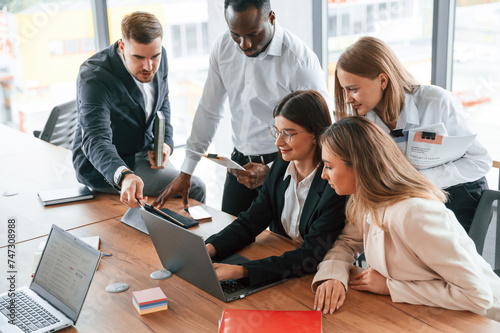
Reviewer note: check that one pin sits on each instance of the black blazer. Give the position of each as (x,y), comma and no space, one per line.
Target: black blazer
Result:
(112,124)
(321,221)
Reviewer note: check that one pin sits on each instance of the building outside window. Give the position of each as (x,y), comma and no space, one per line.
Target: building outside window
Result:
(406,25)
(476,70)
(38,69)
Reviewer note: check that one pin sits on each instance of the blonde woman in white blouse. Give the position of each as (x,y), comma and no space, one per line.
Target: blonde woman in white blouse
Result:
(370,81)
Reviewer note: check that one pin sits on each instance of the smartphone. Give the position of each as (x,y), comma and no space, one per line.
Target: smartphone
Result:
(199,214)
(171,216)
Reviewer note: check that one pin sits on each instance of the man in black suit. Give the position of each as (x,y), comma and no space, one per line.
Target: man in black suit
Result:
(120,90)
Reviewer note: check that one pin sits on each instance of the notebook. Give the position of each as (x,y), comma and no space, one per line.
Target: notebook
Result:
(184,253)
(59,196)
(58,289)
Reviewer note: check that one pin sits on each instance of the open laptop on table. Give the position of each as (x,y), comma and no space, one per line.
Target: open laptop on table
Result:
(56,294)
(185,254)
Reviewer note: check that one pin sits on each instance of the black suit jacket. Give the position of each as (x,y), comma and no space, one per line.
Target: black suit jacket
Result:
(112,124)
(321,221)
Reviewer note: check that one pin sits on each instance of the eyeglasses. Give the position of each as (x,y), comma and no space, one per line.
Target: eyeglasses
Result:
(285,135)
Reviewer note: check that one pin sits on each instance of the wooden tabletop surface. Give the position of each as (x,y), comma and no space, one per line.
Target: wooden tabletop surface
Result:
(193,310)
(28,165)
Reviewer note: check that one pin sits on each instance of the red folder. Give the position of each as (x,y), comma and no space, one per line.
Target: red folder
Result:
(250,321)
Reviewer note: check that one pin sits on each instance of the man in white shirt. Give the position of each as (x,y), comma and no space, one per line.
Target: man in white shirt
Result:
(120,91)
(254,64)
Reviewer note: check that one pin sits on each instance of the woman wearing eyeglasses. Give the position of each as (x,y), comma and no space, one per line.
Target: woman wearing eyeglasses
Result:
(294,201)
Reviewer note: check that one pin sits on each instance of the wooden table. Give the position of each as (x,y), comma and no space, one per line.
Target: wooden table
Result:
(193,310)
(134,258)
(29,165)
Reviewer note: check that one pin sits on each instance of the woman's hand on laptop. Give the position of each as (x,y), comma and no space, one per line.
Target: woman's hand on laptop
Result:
(227,272)
(211,250)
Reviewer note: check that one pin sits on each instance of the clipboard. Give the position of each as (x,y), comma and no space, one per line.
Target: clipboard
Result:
(222,160)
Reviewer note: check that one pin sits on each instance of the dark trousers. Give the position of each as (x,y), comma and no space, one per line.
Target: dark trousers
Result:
(464,198)
(237,198)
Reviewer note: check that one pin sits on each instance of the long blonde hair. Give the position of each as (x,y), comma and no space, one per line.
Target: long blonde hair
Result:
(382,173)
(368,58)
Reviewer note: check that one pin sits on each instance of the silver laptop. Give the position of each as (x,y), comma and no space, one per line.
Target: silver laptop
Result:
(56,294)
(185,254)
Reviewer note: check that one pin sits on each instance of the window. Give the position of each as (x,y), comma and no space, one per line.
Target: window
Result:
(176,41)
(40,54)
(370,18)
(406,25)
(476,74)
(71,46)
(56,47)
(332,24)
(346,24)
(88,45)
(189,39)
(204,37)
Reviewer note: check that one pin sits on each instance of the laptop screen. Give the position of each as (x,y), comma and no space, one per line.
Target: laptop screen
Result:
(65,272)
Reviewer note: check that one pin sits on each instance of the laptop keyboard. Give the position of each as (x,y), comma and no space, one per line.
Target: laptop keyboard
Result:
(232,286)
(30,316)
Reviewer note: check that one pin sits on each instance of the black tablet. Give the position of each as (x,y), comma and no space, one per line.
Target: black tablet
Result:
(171,216)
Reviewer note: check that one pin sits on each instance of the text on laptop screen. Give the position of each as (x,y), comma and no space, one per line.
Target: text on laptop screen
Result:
(62,270)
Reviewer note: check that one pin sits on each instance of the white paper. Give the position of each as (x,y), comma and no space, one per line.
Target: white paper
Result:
(222,160)
(428,153)
(198,213)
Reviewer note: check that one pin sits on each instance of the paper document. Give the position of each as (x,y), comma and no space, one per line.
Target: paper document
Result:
(429,148)
(222,160)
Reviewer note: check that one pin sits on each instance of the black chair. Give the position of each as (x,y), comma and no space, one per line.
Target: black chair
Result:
(61,125)
(487,210)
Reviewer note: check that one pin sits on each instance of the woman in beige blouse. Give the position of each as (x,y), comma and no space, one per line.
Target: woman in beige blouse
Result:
(416,250)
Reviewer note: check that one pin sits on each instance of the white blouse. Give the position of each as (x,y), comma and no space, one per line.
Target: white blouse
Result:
(431,105)
(295,197)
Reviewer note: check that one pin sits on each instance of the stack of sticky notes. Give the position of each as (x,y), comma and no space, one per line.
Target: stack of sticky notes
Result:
(149,300)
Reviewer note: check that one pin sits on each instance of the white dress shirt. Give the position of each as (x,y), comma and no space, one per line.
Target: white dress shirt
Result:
(148,93)
(430,105)
(295,197)
(253,87)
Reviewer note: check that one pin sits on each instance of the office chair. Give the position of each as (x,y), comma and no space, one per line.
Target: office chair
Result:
(61,125)
(488,209)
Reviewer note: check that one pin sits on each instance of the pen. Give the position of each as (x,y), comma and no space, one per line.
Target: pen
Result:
(140,204)
(187,211)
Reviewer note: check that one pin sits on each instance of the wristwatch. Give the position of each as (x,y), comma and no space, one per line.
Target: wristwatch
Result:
(121,175)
